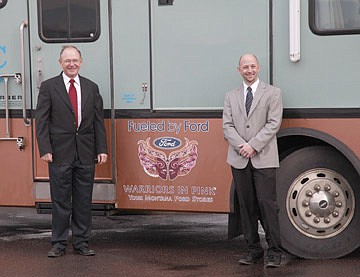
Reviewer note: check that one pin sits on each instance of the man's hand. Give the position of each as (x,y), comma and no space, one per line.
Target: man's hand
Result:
(247,151)
(102,158)
(47,157)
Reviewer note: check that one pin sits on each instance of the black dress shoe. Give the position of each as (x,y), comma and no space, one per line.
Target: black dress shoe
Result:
(251,258)
(273,261)
(84,251)
(56,252)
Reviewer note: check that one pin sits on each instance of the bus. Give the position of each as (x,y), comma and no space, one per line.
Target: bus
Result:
(163,68)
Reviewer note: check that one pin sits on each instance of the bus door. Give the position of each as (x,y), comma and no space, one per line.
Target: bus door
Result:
(83,23)
(15,130)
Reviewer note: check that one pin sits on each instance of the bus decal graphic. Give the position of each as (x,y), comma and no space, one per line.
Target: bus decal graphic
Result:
(167,143)
(158,165)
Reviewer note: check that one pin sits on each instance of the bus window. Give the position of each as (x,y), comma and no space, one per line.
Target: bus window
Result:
(69,21)
(334,17)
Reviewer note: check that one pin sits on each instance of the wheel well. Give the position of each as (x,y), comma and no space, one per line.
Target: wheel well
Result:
(292,139)
(289,144)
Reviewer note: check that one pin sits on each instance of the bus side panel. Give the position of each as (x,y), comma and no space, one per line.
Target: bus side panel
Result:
(338,128)
(327,69)
(196,49)
(172,164)
(130,40)
(16,170)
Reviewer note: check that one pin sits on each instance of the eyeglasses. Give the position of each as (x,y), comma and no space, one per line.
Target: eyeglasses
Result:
(76,61)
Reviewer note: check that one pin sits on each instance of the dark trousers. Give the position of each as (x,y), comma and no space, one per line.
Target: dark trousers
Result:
(256,191)
(71,189)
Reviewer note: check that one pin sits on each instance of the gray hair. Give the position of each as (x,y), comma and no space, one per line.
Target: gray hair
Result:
(69,46)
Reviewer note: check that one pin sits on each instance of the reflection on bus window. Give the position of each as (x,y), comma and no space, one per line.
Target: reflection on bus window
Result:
(330,17)
(66,21)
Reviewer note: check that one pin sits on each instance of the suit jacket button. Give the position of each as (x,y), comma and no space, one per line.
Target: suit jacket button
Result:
(247,126)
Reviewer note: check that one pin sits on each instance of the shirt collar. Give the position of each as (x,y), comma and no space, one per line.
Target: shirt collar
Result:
(253,86)
(67,79)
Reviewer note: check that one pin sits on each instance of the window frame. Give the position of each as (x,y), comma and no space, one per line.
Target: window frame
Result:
(69,39)
(328,32)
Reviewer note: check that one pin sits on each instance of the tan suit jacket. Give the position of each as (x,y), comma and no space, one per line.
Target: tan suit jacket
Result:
(259,128)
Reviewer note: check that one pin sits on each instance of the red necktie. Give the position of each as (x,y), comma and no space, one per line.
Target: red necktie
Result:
(73,99)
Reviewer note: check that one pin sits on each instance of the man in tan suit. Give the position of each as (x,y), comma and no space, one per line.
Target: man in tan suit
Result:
(251,118)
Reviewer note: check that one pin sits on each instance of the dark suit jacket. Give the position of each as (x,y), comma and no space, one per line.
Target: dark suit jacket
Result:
(55,122)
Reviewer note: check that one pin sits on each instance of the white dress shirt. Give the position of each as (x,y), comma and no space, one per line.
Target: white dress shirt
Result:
(253,89)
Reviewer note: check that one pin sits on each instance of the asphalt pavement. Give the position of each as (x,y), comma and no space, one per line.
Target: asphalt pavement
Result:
(154,244)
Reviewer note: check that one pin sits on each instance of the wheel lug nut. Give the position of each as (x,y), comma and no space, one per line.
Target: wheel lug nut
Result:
(316,219)
(336,194)
(335,213)
(338,204)
(305,203)
(309,193)
(317,187)
(308,213)
(327,187)
(327,220)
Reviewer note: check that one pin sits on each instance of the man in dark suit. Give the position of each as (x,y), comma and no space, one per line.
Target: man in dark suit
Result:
(251,118)
(71,137)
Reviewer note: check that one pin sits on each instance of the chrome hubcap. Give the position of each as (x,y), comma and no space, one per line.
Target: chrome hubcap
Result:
(320,203)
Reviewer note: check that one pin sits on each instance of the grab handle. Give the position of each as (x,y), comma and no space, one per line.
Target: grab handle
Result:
(23,25)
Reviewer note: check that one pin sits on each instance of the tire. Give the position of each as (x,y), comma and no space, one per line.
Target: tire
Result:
(317,191)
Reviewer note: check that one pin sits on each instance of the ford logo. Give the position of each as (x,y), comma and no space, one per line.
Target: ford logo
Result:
(167,143)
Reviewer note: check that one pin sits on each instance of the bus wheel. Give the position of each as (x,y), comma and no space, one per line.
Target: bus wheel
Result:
(317,191)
